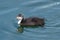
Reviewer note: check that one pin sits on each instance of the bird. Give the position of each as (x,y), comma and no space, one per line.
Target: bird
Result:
(30,21)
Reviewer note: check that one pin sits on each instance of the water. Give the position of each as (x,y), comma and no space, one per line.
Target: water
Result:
(48,9)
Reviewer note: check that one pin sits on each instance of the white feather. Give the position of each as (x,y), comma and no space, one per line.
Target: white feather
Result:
(19,20)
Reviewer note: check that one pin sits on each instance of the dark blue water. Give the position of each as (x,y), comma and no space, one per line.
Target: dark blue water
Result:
(48,9)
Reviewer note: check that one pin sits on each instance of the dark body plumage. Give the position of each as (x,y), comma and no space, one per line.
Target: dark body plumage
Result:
(33,21)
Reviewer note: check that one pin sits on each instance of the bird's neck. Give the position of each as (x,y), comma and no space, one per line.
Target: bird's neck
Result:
(19,21)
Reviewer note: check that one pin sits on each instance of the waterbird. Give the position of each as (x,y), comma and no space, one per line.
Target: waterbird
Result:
(30,21)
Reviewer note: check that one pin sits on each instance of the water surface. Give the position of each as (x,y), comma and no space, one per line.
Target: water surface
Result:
(48,9)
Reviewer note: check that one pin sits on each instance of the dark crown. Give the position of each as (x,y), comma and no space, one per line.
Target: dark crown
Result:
(20,15)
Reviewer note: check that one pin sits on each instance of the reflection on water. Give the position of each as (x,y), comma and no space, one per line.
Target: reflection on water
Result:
(21,28)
